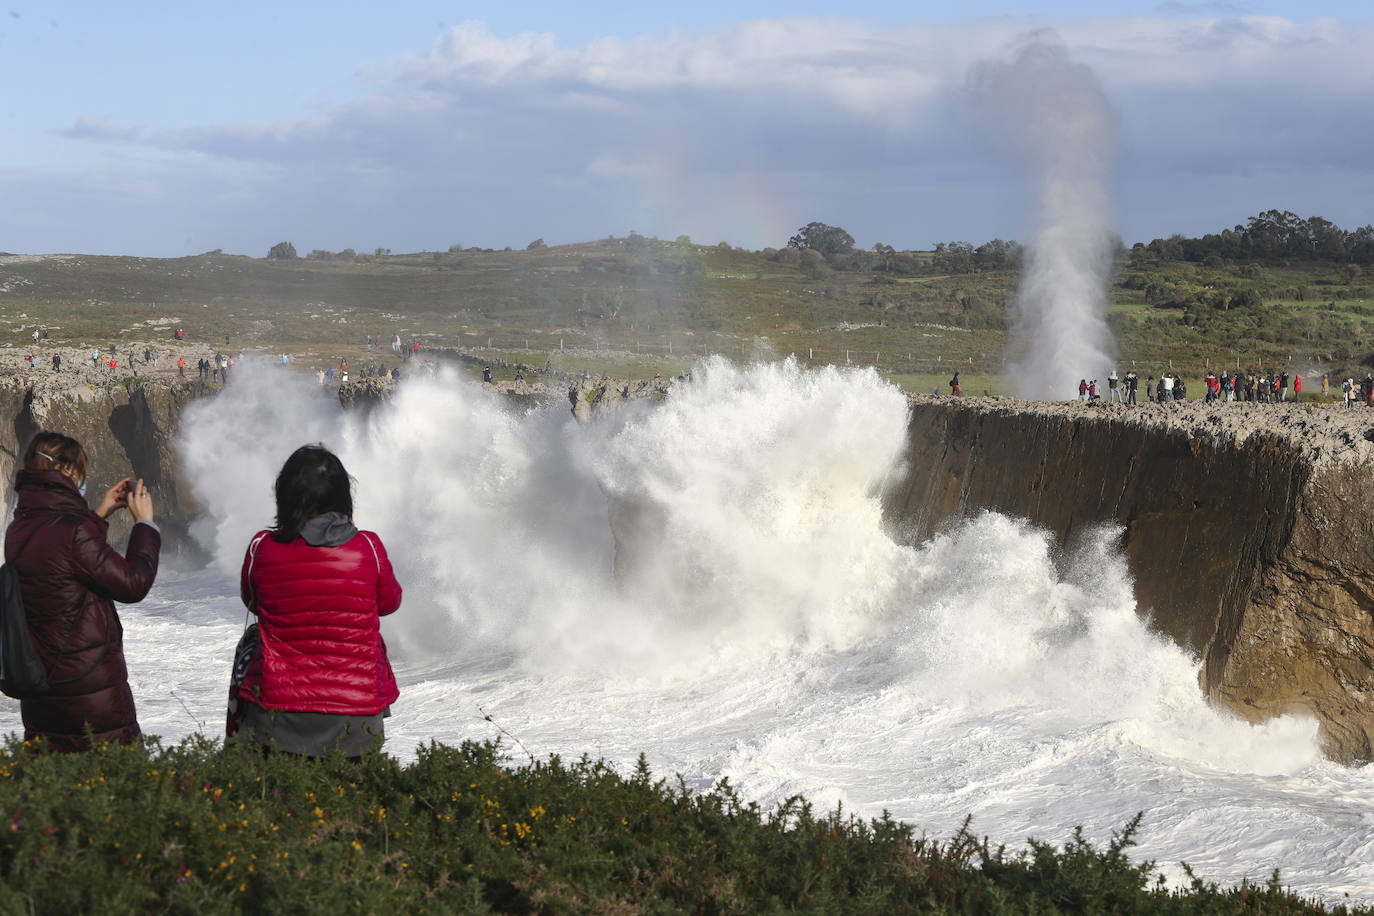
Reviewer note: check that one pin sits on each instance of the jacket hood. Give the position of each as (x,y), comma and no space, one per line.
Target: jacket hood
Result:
(332,529)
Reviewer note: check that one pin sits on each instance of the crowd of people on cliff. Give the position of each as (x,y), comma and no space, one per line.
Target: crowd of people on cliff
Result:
(310,677)
(1256,387)
(220,367)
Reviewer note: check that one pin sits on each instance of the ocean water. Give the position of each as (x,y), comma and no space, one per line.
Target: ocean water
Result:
(707,580)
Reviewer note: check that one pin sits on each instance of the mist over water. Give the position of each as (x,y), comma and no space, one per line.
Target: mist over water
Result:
(707,580)
(1049,116)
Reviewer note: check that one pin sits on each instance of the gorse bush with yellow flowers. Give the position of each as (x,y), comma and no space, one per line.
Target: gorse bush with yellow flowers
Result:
(199,828)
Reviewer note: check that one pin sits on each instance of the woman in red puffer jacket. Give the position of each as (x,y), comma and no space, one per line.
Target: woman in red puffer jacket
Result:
(320,679)
(70,577)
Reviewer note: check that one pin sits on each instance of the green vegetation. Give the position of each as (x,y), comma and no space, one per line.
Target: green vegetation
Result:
(197,828)
(1278,292)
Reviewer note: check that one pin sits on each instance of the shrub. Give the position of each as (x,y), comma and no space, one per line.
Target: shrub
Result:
(198,828)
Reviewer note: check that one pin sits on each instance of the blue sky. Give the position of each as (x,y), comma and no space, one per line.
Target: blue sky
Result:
(169,129)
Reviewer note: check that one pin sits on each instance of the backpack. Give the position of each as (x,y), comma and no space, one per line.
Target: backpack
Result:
(22,672)
(244,653)
(23,675)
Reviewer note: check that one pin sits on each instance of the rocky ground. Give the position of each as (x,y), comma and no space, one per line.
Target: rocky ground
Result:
(79,372)
(1326,433)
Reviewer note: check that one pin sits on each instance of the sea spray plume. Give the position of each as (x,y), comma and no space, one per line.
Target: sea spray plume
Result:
(760,487)
(748,506)
(1050,116)
(232,446)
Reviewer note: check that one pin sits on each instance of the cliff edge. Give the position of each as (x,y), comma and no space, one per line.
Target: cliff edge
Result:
(1248,529)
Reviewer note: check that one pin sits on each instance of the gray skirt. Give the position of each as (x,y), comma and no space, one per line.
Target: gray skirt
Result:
(310,734)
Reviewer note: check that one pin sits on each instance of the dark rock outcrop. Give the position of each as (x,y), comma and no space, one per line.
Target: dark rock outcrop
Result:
(1249,529)
(128,428)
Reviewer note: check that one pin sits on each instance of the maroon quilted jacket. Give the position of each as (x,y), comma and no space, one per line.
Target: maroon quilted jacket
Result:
(69,577)
(319,610)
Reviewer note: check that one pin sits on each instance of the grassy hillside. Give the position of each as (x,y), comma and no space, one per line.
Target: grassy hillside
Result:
(648,305)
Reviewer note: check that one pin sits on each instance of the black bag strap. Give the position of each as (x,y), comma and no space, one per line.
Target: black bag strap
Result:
(66,640)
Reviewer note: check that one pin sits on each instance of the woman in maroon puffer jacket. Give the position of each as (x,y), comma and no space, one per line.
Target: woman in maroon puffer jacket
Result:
(320,679)
(70,578)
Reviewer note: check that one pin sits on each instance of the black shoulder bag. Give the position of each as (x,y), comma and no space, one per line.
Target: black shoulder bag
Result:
(22,672)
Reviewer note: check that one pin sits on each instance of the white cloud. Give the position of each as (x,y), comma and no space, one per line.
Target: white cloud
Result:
(99,128)
(500,138)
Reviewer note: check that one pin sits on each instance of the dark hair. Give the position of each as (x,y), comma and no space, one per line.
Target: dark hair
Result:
(53,452)
(312,482)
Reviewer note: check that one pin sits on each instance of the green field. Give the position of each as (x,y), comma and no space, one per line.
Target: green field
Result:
(635,306)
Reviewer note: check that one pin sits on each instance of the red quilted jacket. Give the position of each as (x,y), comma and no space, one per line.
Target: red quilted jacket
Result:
(68,575)
(319,610)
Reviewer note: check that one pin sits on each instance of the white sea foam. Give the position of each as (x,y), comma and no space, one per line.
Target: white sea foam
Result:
(707,580)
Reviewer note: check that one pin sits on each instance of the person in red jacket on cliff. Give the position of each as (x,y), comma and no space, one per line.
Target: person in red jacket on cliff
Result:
(320,679)
(70,577)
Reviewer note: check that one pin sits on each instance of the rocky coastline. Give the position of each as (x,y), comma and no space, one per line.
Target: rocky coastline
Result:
(1248,528)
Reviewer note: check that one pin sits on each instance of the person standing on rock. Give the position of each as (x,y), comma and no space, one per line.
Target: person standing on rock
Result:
(954,388)
(1283,386)
(1167,381)
(1132,382)
(57,362)
(1297,388)
(1082,389)
(70,577)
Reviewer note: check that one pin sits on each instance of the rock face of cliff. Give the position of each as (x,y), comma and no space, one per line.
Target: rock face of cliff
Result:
(1248,529)
(127,427)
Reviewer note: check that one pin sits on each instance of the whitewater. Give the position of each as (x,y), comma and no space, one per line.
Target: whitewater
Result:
(707,579)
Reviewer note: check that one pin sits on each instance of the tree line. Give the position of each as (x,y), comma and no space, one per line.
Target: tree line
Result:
(1269,237)
(817,246)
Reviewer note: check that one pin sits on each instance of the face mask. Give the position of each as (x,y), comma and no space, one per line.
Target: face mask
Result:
(82,488)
